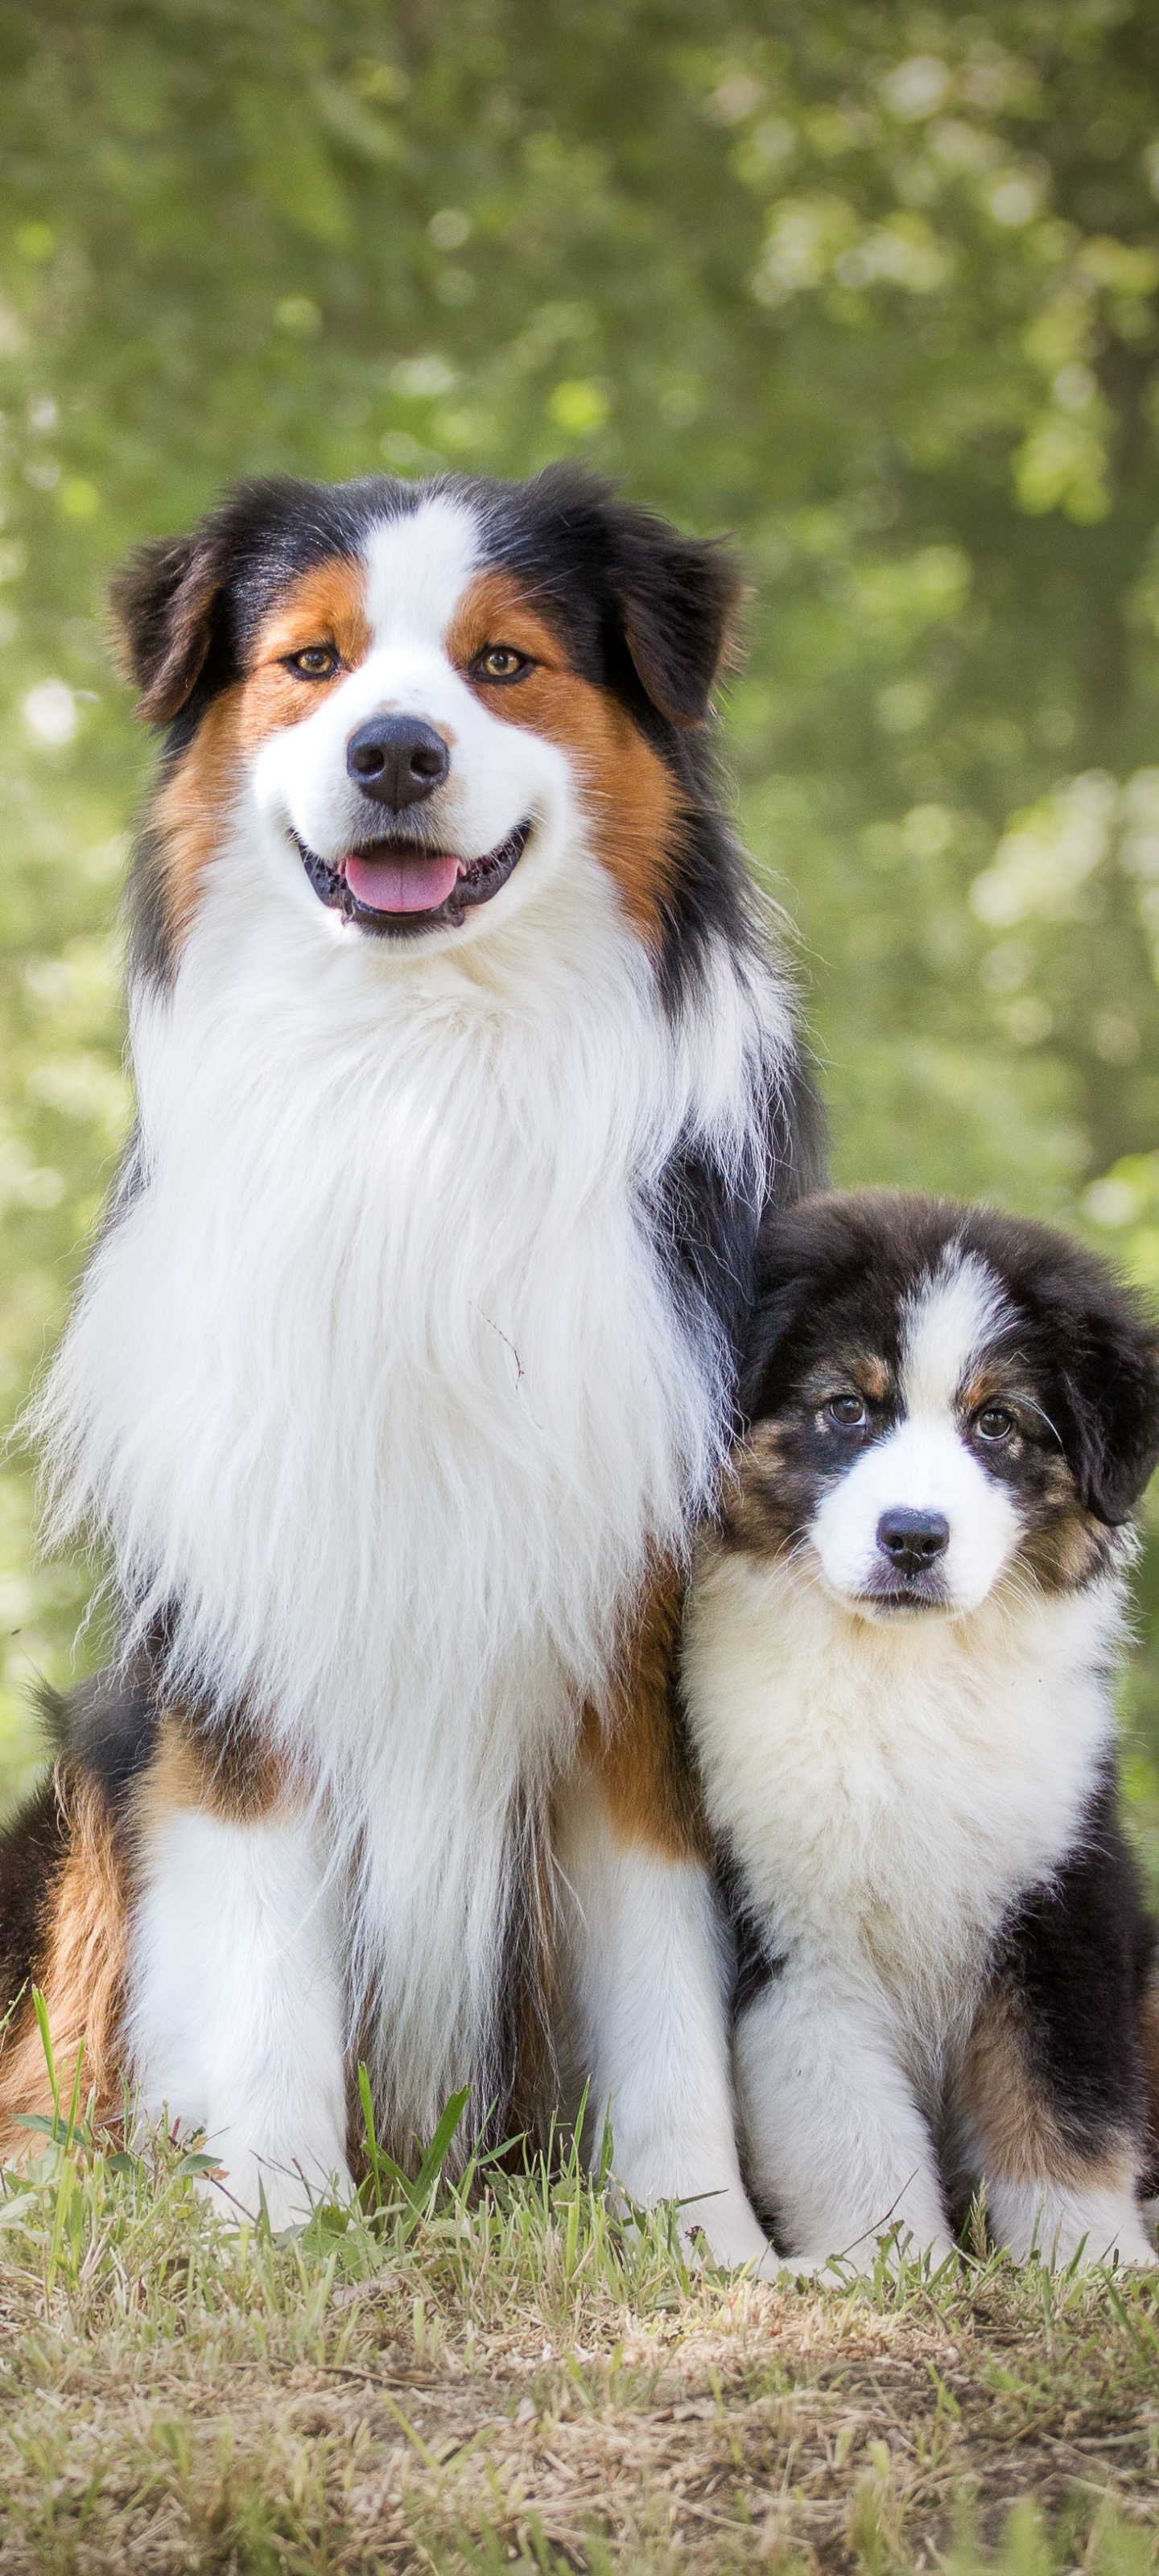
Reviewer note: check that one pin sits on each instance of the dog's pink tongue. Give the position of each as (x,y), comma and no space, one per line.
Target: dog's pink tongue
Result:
(401,885)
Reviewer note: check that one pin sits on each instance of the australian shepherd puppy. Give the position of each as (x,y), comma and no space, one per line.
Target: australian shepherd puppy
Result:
(898,1664)
(405,1362)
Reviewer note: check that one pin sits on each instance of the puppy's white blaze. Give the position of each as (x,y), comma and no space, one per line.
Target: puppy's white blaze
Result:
(417,568)
(236,2013)
(921,1466)
(946,1328)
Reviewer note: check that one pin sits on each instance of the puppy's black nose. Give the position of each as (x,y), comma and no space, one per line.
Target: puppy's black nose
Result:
(913,1540)
(397,759)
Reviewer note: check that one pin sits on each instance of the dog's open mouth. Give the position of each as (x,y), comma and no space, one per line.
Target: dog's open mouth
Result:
(396,886)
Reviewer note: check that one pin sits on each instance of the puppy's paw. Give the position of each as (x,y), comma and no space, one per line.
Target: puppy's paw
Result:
(859,2260)
(245,2184)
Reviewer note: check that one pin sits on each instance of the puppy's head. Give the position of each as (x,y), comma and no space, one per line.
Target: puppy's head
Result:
(937,1395)
(423,697)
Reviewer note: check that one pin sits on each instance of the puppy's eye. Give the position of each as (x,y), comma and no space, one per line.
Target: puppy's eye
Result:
(994,1422)
(848,1412)
(314,662)
(501,662)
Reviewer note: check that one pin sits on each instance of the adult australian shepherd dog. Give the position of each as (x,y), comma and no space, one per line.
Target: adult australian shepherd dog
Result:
(899,1656)
(404,1364)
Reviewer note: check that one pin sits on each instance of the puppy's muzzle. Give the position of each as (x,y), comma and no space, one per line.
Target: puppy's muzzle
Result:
(913,1541)
(396,760)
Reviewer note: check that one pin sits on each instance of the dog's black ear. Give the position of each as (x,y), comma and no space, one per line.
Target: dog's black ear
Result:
(163,603)
(779,1305)
(680,600)
(1109,1384)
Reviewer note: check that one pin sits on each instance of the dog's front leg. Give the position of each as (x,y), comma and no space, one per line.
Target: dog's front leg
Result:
(646,1979)
(836,2144)
(235,2020)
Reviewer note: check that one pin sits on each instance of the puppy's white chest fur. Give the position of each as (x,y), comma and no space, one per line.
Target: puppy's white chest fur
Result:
(889,1790)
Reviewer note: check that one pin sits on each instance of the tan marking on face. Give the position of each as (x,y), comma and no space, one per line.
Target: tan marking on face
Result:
(81,1974)
(752,1514)
(986,1386)
(647,1784)
(633,801)
(192,805)
(327,606)
(1022,2141)
(189,812)
(871,1374)
(1068,1548)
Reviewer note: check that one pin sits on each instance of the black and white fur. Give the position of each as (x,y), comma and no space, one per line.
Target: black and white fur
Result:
(899,1656)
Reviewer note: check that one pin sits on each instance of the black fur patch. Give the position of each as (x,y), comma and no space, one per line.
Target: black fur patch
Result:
(107,1726)
(756,1962)
(707,1221)
(32,1852)
(1074,1958)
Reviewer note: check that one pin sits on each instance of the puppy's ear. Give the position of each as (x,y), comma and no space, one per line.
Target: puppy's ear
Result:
(778,1309)
(164,602)
(680,602)
(1110,1404)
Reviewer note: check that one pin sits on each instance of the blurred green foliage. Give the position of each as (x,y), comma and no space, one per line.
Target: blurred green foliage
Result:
(877,288)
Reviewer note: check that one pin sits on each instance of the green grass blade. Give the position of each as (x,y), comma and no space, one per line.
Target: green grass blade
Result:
(439,2148)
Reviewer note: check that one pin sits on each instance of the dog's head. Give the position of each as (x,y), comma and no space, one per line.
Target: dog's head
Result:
(425,695)
(937,1395)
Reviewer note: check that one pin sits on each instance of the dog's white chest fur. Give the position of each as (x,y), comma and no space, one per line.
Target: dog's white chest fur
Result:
(379,1388)
(889,1792)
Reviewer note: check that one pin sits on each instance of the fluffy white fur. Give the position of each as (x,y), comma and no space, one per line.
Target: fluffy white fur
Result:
(376,1382)
(237,2019)
(890,1789)
(645,1976)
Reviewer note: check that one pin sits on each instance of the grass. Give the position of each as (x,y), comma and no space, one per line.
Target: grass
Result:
(507,2373)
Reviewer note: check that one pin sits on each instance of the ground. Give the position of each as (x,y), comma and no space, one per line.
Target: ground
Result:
(509,2373)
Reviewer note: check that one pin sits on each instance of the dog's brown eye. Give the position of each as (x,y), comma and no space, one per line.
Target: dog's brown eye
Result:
(314,662)
(994,1422)
(849,1412)
(501,662)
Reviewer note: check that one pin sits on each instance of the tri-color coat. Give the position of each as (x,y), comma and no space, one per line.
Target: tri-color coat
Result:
(404,1366)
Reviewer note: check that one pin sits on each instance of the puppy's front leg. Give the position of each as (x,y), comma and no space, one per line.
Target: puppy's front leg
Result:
(646,1992)
(837,2149)
(235,2019)
(1053,2095)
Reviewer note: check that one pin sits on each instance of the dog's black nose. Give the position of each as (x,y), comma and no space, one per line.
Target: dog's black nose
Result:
(397,759)
(913,1540)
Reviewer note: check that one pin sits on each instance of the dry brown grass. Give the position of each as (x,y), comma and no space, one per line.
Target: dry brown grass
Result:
(508,2375)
